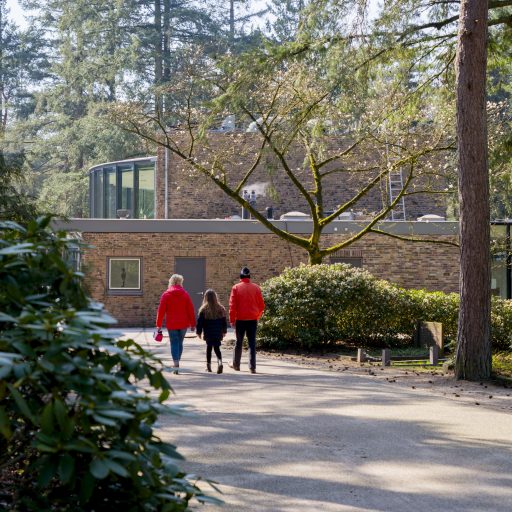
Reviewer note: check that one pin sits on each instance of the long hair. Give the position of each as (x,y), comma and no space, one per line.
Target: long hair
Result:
(211,306)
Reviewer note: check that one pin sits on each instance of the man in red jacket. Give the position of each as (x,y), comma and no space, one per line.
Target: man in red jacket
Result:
(176,305)
(245,309)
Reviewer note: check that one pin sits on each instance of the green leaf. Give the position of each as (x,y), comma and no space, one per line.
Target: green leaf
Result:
(86,488)
(47,424)
(46,365)
(169,450)
(21,403)
(47,472)
(116,468)
(79,446)
(66,468)
(5,426)
(46,448)
(105,421)
(111,413)
(7,318)
(118,454)
(18,249)
(98,468)
(164,395)
(5,371)
(61,413)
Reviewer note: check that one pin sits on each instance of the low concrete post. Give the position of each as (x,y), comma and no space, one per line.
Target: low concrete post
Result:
(386,357)
(434,355)
(361,356)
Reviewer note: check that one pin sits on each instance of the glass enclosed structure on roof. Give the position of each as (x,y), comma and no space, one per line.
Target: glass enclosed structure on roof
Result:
(123,189)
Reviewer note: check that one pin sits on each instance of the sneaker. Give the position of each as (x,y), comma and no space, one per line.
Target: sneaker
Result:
(208,367)
(234,366)
(220,368)
(175,371)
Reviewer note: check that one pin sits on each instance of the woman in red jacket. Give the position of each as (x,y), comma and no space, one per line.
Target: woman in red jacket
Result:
(177,308)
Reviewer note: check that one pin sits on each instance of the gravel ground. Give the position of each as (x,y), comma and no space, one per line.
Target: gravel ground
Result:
(483,394)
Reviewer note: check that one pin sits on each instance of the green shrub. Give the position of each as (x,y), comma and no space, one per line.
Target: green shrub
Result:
(76,424)
(501,324)
(312,307)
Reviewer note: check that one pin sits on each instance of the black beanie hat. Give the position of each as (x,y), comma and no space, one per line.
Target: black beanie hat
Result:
(245,273)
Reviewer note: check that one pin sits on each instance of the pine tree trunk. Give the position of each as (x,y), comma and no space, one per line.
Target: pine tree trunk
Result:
(158,54)
(473,360)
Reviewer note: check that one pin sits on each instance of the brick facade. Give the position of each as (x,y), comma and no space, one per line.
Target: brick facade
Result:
(412,265)
(191,195)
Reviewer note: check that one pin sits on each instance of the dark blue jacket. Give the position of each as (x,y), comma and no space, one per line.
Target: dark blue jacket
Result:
(214,328)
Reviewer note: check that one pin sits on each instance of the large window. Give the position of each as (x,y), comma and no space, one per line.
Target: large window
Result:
(146,204)
(127,189)
(123,189)
(97,191)
(124,276)
(110,193)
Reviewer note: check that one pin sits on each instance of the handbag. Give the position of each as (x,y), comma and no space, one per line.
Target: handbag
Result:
(158,335)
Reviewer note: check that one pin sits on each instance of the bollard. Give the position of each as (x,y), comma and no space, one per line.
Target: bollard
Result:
(361,356)
(386,357)
(434,355)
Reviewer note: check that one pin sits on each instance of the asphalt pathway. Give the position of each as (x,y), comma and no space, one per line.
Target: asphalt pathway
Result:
(293,439)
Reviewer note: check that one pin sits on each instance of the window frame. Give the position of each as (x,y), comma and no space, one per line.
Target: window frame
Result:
(124,291)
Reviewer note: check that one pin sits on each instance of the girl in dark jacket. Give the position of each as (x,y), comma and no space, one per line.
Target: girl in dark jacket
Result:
(212,322)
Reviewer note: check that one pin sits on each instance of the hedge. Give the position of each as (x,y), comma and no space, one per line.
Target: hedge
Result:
(311,307)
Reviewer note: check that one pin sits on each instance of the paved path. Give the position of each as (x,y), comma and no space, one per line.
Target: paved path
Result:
(293,439)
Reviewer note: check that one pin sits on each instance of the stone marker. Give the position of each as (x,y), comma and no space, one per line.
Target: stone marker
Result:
(429,334)
(386,357)
(361,356)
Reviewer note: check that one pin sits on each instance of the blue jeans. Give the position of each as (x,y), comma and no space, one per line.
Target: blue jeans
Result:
(177,336)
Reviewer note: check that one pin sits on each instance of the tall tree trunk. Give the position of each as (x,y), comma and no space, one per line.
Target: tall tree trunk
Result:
(231,23)
(473,360)
(158,55)
(3,102)
(167,41)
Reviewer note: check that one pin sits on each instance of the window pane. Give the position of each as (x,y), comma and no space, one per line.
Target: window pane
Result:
(146,208)
(127,189)
(111,193)
(98,193)
(124,274)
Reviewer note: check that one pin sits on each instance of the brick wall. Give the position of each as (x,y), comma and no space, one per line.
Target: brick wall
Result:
(412,265)
(193,196)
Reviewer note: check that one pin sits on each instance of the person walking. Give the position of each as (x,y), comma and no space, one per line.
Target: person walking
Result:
(246,306)
(211,321)
(177,308)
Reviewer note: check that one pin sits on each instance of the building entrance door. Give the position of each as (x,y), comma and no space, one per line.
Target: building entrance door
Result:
(193,271)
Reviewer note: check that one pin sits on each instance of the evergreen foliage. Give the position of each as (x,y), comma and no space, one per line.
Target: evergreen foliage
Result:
(314,307)
(78,406)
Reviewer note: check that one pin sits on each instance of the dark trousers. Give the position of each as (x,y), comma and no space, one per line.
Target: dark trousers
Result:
(243,327)
(216,349)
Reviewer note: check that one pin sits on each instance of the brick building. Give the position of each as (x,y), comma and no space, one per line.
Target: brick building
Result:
(129,261)
(155,216)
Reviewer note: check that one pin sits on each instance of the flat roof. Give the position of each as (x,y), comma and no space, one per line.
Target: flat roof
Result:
(247,226)
(128,161)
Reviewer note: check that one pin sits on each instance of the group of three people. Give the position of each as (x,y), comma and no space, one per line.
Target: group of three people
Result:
(246,306)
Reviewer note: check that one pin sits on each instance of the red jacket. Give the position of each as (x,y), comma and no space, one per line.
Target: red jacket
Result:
(245,302)
(176,305)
